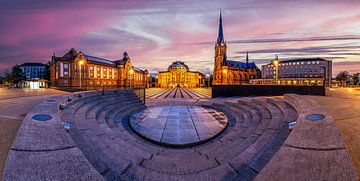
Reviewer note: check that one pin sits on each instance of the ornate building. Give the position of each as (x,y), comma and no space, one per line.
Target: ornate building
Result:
(79,71)
(179,75)
(229,72)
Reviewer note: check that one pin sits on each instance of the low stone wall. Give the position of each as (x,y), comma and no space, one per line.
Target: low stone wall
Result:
(43,150)
(264,90)
(314,150)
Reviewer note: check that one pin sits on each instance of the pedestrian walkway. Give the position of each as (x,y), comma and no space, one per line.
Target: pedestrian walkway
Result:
(182,93)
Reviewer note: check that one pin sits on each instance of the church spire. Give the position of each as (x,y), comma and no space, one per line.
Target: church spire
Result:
(220,38)
(247,58)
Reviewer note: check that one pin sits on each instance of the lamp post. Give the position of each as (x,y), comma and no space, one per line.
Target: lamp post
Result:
(324,74)
(208,76)
(81,62)
(131,71)
(276,63)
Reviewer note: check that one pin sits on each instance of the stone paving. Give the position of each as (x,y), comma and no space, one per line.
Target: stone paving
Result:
(344,105)
(178,93)
(14,105)
(100,145)
(178,125)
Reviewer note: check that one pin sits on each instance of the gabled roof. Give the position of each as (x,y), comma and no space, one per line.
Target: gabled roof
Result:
(237,64)
(99,60)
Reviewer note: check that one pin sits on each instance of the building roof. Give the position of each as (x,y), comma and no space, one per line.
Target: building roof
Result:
(304,59)
(301,60)
(178,65)
(32,64)
(237,64)
(99,60)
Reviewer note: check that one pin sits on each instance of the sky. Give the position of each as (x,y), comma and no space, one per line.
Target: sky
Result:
(158,32)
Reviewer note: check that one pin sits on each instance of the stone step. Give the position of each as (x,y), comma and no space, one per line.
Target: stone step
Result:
(241,161)
(289,112)
(102,111)
(96,152)
(106,113)
(264,112)
(116,139)
(179,165)
(93,100)
(94,108)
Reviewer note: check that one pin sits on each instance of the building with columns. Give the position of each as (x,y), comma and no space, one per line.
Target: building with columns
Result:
(230,72)
(80,71)
(179,75)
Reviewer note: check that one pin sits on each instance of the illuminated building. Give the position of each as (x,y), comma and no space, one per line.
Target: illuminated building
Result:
(77,70)
(179,75)
(305,71)
(230,72)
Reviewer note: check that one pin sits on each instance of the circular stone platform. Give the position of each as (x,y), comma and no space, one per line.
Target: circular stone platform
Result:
(178,125)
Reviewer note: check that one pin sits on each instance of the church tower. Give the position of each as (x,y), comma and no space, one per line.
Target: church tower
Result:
(220,54)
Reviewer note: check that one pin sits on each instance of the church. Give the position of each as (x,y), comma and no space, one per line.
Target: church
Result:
(230,72)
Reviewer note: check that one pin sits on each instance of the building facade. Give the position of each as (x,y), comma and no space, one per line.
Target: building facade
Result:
(306,71)
(80,71)
(179,75)
(33,70)
(230,72)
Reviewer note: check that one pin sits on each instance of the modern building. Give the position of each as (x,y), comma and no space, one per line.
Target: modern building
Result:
(305,71)
(80,71)
(179,75)
(33,70)
(230,72)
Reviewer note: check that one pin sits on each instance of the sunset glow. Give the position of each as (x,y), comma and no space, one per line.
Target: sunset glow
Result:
(156,33)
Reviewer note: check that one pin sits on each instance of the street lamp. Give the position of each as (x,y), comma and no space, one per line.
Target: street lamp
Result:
(208,76)
(276,63)
(81,62)
(131,71)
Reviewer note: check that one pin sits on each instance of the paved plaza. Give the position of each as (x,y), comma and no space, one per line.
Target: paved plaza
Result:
(344,106)
(178,125)
(14,105)
(178,93)
(114,136)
